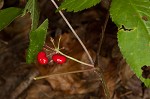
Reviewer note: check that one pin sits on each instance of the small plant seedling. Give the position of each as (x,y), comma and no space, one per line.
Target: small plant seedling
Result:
(42,59)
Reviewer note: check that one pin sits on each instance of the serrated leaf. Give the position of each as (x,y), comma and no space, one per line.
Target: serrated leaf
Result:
(134,44)
(32,7)
(37,39)
(8,15)
(77,5)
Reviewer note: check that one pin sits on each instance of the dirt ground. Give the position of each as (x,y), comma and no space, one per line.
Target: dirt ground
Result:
(17,77)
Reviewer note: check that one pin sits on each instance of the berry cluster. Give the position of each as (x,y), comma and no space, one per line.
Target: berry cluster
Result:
(57,58)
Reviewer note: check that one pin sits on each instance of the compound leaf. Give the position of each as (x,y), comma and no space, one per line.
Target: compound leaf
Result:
(134,36)
(8,15)
(77,5)
(37,39)
(32,7)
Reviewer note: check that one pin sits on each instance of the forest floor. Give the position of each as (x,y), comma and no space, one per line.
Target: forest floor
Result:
(17,77)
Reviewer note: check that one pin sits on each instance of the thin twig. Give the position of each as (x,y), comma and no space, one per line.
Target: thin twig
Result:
(73,31)
(100,72)
(58,74)
(24,84)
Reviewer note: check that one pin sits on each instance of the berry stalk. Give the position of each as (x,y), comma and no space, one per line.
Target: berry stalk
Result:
(90,65)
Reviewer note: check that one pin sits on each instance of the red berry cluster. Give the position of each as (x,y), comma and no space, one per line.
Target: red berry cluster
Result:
(58,58)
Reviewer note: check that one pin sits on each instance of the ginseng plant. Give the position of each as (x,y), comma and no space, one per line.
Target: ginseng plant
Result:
(63,56)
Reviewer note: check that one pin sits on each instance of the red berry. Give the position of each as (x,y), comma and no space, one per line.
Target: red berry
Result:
(42,59)
(40,54)
(59,59)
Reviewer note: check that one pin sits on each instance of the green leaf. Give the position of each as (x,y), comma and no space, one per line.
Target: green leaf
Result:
(77,5)
(134,40)
(37,39)
(8,15)
(32,7)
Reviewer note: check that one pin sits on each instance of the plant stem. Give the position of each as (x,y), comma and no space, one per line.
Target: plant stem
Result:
(52,40)
(100,72)
(57,74)
(73,31)
(90,65)
(58,51)
(58,42)
(90,58)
